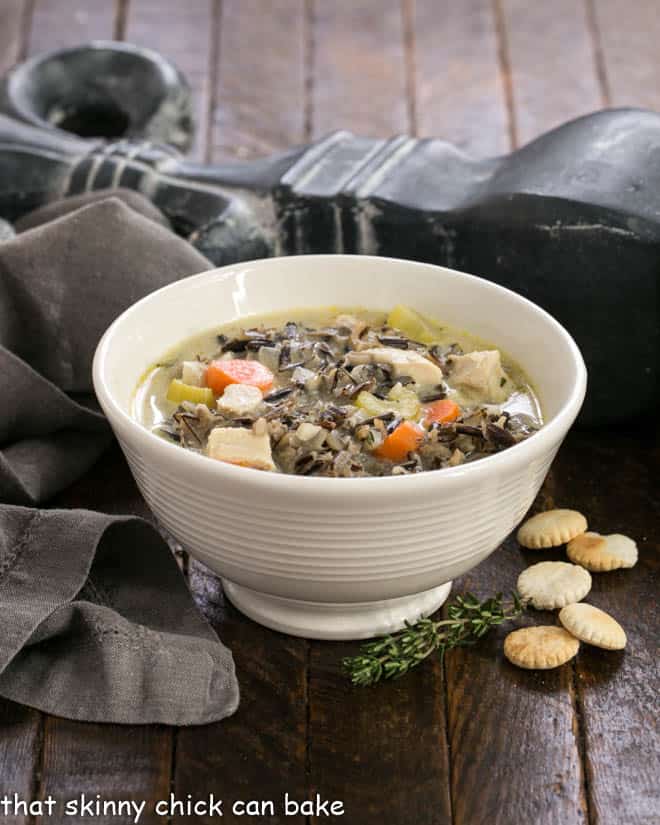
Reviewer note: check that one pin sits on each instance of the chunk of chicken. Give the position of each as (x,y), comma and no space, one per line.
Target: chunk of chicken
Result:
(237,445)
(403,362)
(481,374)
(239,399)
(194,373)
(307,431)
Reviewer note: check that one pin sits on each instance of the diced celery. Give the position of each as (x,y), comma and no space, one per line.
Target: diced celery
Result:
(178,392)
(400,400)
(407,401)
(373,406)
(413,325)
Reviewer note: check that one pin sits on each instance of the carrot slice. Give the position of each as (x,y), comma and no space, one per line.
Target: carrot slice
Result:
(405,439)
(221,374)
(442,412)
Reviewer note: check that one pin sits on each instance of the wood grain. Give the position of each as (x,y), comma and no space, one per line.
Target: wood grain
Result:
(20,752)
(618,691)
(628,35)
(183,34)
(57,25)
(358,68)
(554,75)
(381,750)
(119,762)
(496,714)
(12,20)
(259,753)
(259,78)
(460,89)
(513,738)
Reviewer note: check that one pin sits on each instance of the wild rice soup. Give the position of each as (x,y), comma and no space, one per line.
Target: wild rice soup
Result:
(340,393)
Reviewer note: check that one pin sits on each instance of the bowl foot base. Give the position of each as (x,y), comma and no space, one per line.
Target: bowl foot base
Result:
(321,620)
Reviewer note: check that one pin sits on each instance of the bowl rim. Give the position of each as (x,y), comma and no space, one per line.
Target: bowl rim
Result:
(544,439)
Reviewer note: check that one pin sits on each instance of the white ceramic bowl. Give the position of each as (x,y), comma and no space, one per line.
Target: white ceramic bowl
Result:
(329,557)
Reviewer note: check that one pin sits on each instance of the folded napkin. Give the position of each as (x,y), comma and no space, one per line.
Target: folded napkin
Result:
(56,209)
(97,621)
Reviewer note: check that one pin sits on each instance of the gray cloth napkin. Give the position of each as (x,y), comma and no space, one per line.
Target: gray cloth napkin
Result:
(56,209)
(96,620)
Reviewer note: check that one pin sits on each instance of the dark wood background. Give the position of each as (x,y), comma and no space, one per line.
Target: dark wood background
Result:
(476,741)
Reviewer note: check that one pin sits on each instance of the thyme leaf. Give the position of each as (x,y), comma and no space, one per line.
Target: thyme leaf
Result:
(468,620)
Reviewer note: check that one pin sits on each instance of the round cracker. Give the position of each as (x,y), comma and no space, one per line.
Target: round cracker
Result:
(602,553)
(551,528)
(593,626)
(540,648)
(551,584)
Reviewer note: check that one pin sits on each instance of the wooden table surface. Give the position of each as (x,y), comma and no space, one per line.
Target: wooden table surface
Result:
(476,741)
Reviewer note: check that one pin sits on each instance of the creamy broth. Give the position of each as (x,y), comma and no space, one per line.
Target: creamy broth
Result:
(354,376)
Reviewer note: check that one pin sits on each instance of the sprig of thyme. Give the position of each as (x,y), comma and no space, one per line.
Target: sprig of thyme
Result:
(467,621)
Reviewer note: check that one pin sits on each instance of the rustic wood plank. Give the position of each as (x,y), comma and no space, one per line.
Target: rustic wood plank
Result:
(359,68)
(553,69)
(618,691)
(56,25)
(495,714)
(20,751)
(466,76)
(260,752)
(460,90)
(259,91)
(183,34)
(614,694)
(628,39)
(119,762)
(382,751)
(513,739)
(12,29)
(611,724)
